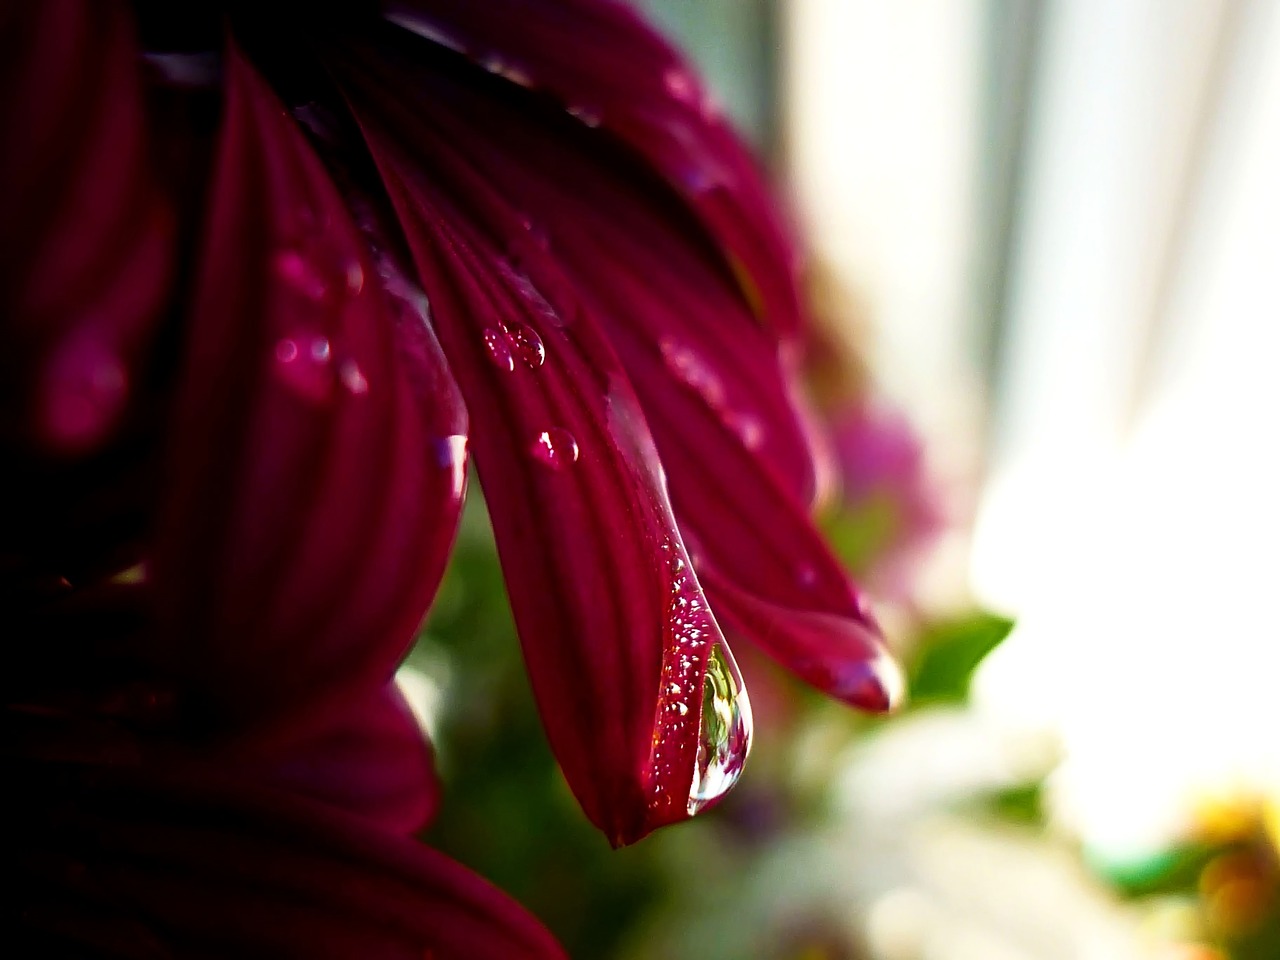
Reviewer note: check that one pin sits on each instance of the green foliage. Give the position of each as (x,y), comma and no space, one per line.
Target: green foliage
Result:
(950,653)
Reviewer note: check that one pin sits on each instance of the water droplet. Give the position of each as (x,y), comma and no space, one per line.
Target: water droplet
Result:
(451,454)
(725,737)
(300,274)
(678,706)
(498,344)
(302,363)
(352,378)
(527,345)
(555,448)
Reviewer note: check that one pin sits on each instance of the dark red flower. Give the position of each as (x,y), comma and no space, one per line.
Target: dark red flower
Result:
(268,269)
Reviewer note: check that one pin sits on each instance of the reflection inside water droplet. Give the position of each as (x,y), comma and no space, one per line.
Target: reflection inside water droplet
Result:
(527,345)
(555,448)
(725,737)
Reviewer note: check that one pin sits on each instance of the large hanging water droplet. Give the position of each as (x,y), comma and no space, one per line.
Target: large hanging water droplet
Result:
(555,448)
(499,348)
(527,345)
(725,737)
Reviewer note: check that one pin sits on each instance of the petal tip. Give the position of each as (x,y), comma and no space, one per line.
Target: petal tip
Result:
(876,685)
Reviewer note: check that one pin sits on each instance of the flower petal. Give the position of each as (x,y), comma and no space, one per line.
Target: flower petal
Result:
(86,240)
(370,758)
(318,444)
(594,564)
(709,382)
(193,863)
(609,69)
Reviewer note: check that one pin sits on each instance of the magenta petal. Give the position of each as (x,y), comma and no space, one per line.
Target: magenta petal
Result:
(609,69)
(593,560)
(197,865)
(368,758)
(316,464)
(86,238)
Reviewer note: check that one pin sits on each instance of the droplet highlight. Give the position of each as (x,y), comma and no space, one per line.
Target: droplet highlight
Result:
(527,345)
(724,739)
(498,346)
(303,365)
(555,448)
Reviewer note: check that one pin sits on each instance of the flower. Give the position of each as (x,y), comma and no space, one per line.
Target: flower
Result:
(271,273)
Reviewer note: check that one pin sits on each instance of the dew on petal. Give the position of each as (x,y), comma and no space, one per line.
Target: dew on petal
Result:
(498,345)
(82,393)
(450,453)
(555,448)
(351,377)
(725,735)
(527,345)
(302,364)
(301,274)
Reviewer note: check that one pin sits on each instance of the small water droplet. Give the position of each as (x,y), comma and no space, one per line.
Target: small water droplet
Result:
(694,372)
(555,448)
(302,363)
(497,342)
(527,345)
(300,274)
(352,378)
(725,737)
(679,707)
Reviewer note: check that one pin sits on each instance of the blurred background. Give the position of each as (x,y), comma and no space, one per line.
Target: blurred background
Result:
(1045,247)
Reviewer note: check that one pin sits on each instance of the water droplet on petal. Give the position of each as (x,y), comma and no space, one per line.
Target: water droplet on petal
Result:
(527,345)
(450,454)
(301,274)
(680,84)
(499,346)
(555,448)
(725,736)
(302,363)
(691,369)
(352,378)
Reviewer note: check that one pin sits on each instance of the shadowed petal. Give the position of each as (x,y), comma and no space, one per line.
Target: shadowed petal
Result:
(193,864)
(612,71)
(615,629)
(316,466)
(86,240)
(370,758)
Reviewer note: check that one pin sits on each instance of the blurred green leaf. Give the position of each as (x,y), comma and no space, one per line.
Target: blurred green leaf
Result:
(950,653)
